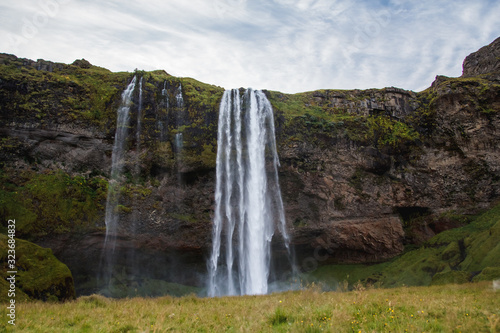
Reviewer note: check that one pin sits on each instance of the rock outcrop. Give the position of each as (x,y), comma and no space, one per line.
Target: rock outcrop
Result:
(363,172)
(486,61)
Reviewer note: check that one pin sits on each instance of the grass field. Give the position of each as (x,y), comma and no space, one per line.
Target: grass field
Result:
(473,307)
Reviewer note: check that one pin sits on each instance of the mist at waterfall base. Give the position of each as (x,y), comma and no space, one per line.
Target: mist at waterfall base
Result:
(248,204)
(253,258)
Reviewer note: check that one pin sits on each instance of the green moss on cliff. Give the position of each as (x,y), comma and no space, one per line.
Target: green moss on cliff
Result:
(473,95)
(51,202)
(324,116)
(88,96)
(39,274)
(482,223)
(69,92)
(201,96)
(451,277)
(483,249)
(385,131)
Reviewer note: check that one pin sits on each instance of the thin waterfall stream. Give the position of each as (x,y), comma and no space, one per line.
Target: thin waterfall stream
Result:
(113,196)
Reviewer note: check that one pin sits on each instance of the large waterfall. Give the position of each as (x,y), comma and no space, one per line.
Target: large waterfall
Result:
(248,204)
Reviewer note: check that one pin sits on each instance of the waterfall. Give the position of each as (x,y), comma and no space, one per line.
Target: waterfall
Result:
(117,158)
(139,116)
(117,164)
(180,120)
(179,98)
(162,120)
(178,142)
(137,167)
(248,204)
(164,92)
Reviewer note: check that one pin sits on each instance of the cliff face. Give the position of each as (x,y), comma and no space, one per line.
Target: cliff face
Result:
(362,172)
(486,61)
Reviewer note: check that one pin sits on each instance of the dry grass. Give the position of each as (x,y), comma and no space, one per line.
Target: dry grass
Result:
(451,308)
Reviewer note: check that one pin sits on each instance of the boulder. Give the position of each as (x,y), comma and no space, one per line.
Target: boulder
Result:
(39,274)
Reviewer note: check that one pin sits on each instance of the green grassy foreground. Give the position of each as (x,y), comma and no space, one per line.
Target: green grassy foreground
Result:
(473,307)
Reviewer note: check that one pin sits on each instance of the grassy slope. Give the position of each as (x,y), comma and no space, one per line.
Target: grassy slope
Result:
(454,256)
(452,308)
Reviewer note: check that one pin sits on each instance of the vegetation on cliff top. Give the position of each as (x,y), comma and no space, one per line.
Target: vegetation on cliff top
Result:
(67,93)
(84,95)
(343,113)
(367,116)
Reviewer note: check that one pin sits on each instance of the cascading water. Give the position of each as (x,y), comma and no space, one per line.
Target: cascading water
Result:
(138,131)
(136,213)
(117,158)
(164,92)
(179,98)
(117,163)
(247,196)
(180,120)
(139,116)
(162,120)
(178,142)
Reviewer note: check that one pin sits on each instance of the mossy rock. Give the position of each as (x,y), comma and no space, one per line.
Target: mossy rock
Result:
(488,274)
(456,277)
(4,296)
(39,274)
(452,254)
(414,268)
(483,249)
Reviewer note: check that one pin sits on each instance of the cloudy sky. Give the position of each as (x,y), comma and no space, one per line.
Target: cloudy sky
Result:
(285,45)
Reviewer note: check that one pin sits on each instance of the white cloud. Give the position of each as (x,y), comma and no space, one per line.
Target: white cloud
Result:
(286,45)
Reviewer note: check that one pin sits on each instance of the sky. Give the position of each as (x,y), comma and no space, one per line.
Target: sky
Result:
(285,45)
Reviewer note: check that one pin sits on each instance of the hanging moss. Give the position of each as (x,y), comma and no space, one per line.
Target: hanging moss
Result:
(384,131)
(51,202)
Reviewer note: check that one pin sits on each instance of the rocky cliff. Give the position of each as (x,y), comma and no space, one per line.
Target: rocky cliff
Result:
(363,172)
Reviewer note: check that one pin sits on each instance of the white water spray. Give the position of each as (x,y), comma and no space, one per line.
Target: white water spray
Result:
(137,167)
(247,196)
(179,98)
(164,92)
(162,121)
(139,116)
(179,140)
(117,158)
